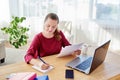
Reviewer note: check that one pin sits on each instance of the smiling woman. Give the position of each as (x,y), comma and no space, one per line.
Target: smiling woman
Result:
(44,43)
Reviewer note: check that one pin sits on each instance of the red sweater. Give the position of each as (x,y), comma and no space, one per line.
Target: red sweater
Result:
(45,46)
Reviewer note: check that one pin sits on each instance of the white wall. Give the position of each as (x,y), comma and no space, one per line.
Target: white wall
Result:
(4,15)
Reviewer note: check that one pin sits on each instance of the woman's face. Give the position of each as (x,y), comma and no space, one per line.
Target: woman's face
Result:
(50,26)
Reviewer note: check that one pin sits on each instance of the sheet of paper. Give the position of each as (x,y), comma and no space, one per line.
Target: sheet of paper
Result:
(43,71)
(70,49)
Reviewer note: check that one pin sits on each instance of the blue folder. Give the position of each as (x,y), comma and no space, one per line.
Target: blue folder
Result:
(45,77)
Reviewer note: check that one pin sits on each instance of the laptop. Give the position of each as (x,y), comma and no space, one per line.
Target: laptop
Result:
(87,64)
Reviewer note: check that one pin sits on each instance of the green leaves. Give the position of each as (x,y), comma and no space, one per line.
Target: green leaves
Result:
(17,34)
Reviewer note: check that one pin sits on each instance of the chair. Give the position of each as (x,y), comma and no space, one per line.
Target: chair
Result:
(2,51)
(66,28)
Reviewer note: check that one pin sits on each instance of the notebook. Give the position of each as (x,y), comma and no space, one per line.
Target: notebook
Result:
(87,64)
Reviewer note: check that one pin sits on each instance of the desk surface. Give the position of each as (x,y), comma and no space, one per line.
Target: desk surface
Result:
(106,70)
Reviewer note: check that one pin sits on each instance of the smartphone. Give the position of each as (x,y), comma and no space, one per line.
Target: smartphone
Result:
(69,74)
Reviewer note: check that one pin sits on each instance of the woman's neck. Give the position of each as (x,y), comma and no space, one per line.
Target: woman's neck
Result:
(47,35)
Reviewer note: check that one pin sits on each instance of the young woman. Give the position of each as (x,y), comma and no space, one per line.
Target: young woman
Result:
(46,43)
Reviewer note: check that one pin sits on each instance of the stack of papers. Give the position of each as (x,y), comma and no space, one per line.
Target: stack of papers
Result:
(22,76)
(43,71)
(70,49)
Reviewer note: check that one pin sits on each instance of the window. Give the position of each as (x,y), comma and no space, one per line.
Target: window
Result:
(107,10)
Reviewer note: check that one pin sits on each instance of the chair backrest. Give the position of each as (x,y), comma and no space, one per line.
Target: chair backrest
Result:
(66,28)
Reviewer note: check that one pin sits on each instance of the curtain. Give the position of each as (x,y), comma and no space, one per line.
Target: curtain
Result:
(4,16)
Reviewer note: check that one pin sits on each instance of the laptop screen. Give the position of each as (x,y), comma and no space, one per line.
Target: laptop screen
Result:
(99,55)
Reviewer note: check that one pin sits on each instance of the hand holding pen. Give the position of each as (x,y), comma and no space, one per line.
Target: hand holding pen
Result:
(44,66)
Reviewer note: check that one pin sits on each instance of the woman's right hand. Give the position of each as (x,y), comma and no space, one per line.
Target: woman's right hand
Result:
(40,64)
(45,66)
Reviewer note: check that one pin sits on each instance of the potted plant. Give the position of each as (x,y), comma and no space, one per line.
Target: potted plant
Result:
(17,33)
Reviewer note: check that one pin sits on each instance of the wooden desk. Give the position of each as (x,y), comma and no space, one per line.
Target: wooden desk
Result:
(108,69)
(117,77)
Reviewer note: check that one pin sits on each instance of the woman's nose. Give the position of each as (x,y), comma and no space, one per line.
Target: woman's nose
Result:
(50,28)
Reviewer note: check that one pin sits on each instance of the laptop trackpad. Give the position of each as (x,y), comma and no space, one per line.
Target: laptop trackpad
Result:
(77,61)
(74,62)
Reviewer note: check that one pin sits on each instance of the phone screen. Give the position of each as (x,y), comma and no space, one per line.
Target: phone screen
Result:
(69,74)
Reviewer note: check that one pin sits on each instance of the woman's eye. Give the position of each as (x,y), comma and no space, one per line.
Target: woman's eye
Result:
(48,26)
(53,27)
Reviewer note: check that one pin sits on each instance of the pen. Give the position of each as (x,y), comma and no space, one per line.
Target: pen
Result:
(42,60)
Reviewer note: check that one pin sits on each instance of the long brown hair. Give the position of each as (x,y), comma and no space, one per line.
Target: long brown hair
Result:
(54,16)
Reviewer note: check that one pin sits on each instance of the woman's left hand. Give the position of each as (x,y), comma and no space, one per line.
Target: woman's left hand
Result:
(76,53)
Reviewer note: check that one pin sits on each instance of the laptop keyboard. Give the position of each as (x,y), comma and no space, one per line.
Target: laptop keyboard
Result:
(85,64)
